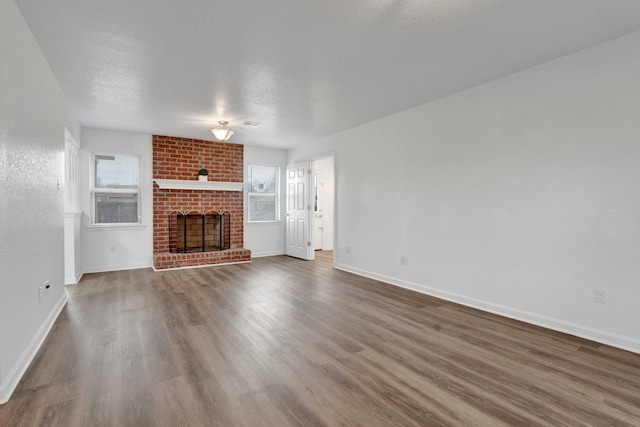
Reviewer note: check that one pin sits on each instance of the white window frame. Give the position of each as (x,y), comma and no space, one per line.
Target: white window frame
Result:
(95,190)
(276,194)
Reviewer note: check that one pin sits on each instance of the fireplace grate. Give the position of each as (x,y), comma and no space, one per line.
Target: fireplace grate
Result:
(196,232)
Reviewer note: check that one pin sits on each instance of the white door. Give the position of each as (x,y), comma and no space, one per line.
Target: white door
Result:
(299,211)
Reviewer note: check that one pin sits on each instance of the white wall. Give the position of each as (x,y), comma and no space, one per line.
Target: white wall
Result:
(117,247)
(518,196)
(33,117)
(265,239)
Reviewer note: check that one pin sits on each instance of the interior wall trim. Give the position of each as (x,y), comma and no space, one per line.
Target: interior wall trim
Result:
(116,267)
(71,280)
(15,375)
(602,337)
(266,254)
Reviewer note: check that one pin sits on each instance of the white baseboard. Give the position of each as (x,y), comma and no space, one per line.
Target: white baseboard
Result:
(73,280)
(115,267)
(603,337)
(265,254)
(13,378)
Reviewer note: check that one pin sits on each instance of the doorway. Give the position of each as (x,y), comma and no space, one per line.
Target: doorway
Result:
(310,207)
(323,197)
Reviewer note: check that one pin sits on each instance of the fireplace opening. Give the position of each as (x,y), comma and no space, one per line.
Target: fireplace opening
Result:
(196,232)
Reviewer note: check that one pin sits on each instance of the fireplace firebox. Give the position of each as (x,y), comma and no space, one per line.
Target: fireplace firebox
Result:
(197,232)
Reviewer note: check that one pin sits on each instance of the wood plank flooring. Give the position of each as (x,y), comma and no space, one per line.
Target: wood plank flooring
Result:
(284,342)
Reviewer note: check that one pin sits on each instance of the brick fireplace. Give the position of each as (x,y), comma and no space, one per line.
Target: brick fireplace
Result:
(176,158)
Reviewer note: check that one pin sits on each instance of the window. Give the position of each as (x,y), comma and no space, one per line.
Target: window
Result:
(263,193)
(116,189)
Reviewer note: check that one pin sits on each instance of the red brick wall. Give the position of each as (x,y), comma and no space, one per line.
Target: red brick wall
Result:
(181,158)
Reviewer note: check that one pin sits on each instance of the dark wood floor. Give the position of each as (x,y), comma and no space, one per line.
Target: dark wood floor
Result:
(282,342)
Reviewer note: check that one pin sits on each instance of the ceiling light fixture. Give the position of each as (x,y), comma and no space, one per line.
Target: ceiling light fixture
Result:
(222,132)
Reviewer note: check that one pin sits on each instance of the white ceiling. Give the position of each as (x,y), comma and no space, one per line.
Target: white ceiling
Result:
(305,69)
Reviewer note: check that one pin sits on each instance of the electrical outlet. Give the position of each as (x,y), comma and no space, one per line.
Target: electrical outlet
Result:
(403,260)
(600,295)
(347,250)
(113,249)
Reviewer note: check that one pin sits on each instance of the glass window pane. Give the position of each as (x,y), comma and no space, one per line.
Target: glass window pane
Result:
(111,208)
(262,179)
(262,207)
(117,171)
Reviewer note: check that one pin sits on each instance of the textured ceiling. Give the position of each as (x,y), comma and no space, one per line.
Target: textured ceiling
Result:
(305,69)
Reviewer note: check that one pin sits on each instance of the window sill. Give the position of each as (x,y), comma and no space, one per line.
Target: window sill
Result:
(115,227)
(263,222)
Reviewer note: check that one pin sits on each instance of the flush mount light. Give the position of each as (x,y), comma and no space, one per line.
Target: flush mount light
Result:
(222,132)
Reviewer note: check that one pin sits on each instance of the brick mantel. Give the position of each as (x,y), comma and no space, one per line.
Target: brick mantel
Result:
(178,159)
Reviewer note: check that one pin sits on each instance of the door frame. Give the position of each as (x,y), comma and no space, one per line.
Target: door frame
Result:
(334,213)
